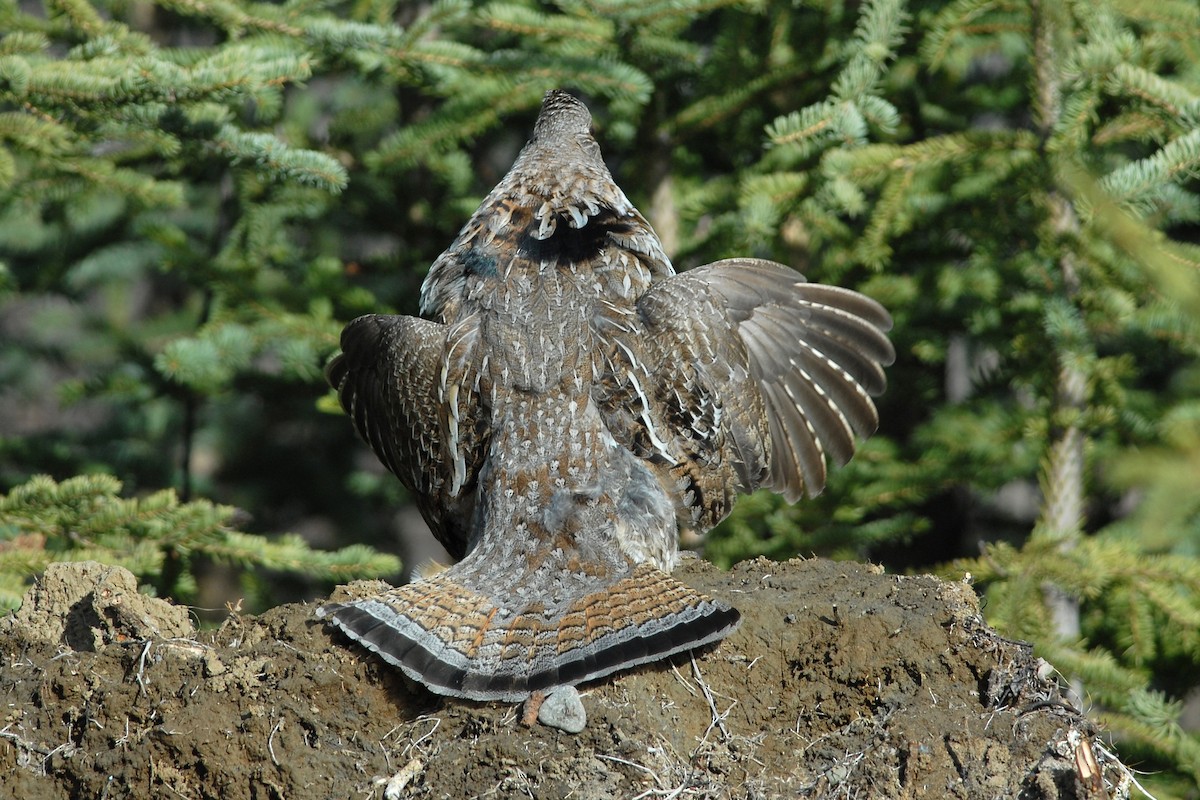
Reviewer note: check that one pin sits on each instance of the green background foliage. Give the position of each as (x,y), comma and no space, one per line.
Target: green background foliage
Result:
(195,196)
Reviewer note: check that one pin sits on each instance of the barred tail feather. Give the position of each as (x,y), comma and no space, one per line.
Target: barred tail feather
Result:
(458,642)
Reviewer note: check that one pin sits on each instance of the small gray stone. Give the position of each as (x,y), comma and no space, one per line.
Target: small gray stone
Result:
(563,709)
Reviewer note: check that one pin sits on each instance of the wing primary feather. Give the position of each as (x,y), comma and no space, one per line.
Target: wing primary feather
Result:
(800,442)
(573,405)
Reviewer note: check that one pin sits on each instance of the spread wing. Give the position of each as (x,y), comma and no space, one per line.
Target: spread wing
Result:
(411,388)
(740,375)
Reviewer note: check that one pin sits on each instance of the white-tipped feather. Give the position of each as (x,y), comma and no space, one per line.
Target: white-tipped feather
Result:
(570,404)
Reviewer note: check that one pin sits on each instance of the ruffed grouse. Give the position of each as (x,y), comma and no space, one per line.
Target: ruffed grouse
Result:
(568,404)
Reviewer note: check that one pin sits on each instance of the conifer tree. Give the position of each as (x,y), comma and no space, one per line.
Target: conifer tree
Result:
(194,197)
(1032,208)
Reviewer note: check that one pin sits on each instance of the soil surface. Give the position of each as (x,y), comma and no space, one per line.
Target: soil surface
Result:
(841,682)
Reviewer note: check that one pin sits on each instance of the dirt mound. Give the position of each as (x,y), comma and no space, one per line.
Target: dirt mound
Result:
(841,682)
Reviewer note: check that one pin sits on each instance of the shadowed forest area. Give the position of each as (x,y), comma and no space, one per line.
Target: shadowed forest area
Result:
(196,197)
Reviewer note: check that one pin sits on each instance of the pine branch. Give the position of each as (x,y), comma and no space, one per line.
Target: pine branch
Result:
(1147,717)
(19,42)
(707,111)
(1177,104)
(84,518)
(79,14)
(1139,185)
(638,13)
(965,27)
(268,153)
(290,553)
(233,17)
(595,32)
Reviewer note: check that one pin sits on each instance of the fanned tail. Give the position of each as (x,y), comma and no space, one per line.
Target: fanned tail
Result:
(461,643)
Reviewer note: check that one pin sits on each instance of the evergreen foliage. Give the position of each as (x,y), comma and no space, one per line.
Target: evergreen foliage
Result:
(194,197)
(84,519)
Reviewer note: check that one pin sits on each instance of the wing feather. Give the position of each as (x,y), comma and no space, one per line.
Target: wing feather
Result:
(793,367)
(411,388)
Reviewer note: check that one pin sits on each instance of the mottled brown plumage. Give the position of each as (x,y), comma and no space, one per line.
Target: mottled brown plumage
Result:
(568,404)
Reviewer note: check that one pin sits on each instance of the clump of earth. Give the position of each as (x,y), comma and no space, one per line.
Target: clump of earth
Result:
(841,682)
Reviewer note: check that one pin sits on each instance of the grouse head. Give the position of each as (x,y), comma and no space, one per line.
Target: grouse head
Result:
(560,174)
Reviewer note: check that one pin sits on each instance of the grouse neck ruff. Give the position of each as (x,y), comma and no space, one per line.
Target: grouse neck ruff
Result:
(567,404)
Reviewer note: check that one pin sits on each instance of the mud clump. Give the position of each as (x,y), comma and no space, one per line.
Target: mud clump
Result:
(87,605)
(841,682)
